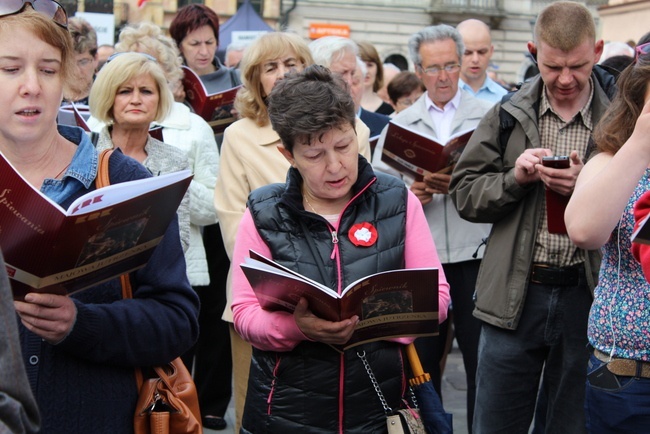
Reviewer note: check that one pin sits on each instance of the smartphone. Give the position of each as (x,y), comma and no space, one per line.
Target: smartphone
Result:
(555,202)
(556,162)
(602,378)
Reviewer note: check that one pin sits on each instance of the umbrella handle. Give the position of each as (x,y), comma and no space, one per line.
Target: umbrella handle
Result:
(414,360)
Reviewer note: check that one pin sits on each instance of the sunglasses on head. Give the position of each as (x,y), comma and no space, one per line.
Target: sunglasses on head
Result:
(642,50)
(119,53)
(48,7)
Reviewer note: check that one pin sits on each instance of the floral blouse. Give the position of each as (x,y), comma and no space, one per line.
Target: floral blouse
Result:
(620,313)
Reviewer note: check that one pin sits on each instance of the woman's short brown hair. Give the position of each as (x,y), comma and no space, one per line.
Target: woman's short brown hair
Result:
(191,17)
(404,83)
(305,105)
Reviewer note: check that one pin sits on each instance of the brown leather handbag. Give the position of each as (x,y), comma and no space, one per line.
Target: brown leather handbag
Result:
(168,403)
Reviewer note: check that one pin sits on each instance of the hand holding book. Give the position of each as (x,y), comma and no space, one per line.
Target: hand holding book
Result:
(321,330)
(388,304)
(438,183)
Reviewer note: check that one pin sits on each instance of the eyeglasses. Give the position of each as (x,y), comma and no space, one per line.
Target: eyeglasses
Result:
(84,62)
(433,71)
(405,102)
(48,7)
(642,50)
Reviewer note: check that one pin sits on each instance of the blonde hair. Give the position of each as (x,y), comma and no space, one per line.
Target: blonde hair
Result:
(250,101)
(118,71)
(49,32)
(564,25)
(148,38)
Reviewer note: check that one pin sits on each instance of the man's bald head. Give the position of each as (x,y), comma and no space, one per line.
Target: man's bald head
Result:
(478,51)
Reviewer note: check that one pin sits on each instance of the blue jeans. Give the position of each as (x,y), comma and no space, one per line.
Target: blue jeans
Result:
(617,409)
(551,339)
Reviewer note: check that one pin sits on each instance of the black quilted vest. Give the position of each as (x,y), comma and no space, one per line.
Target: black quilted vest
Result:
(313,388)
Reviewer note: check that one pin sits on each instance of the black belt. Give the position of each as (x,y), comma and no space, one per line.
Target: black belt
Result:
(547,275)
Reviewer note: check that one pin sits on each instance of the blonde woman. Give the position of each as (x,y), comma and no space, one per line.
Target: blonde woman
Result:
(191,134)
(130,93)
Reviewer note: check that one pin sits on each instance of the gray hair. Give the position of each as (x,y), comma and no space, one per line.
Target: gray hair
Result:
(441,32)
(362,66)
(234,46)
(391,66)
(329,49)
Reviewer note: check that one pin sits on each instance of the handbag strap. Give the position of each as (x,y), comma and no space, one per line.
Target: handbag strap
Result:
(103,180)
(375,383)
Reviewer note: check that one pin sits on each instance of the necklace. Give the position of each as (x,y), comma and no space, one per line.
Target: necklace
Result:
(62,170)
(309,204)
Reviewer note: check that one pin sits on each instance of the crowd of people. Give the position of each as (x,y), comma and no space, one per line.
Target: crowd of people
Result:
(551,323)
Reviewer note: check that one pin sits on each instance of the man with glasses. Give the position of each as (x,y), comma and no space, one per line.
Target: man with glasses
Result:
(533,293)
(443,110)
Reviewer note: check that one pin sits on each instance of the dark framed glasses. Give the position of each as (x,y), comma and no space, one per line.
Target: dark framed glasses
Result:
(48,7)
(642,50)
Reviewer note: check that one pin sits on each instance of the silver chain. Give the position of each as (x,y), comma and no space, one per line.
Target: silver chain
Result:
(415,401)
(374,382)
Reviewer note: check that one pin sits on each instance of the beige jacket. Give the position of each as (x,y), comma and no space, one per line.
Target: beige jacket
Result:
(250,160)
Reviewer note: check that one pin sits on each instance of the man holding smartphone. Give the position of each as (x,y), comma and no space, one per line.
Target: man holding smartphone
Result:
(533,290)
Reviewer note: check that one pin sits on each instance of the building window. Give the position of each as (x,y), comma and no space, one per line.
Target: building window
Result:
(258,5)
(182,3)
(99,6)
(70,6)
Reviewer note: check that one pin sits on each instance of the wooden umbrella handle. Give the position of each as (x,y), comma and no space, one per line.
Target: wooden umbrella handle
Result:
(414,360)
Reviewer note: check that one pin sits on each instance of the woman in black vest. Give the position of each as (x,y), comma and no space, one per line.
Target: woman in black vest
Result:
(333,221)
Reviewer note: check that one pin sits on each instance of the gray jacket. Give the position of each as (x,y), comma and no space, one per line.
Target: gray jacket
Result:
(18,409)
(484,189)
(456,239)
(161,159)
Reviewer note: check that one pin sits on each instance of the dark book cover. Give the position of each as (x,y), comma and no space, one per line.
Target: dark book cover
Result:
(105,233)
(415,154)
(215,108)
(389,304)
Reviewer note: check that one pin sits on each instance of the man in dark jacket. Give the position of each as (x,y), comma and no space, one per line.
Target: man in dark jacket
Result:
(533,290)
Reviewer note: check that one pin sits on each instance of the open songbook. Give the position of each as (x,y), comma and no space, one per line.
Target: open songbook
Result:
(105,233)
(416,154)
(215,108)
(389,304)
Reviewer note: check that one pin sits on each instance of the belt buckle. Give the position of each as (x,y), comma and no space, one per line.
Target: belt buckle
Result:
(547,275)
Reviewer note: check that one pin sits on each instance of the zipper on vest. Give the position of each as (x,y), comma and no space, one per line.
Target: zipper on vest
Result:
(335,238)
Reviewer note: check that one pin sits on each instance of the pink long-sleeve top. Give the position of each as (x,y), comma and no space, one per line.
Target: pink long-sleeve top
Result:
(278,331)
